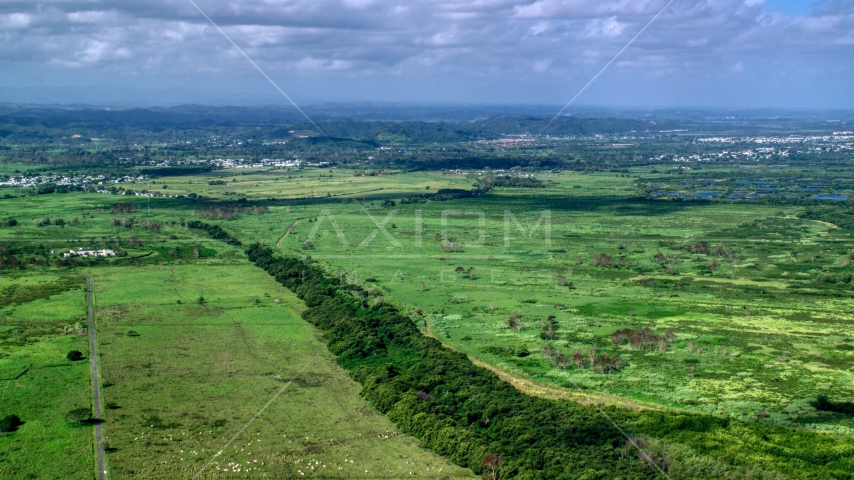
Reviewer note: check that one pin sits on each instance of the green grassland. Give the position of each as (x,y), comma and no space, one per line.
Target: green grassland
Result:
(181,380)
(755,332)
(38,383)
(757,302)
(185,377)
(290,183)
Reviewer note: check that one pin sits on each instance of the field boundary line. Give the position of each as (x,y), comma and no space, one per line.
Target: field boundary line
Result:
(96,397)
(548,392)
(538,392)
(287,232)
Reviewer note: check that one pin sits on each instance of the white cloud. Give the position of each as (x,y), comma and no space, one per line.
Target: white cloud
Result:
(87,17)
(542,65)
(15,21)
(311,64)
(606,27)
(505,40)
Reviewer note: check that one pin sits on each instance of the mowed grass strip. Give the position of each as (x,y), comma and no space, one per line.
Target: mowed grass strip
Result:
(181,379)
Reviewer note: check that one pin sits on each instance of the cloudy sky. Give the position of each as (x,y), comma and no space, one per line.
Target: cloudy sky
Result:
(711,53)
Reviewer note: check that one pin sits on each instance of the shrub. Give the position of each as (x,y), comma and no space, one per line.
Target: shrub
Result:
(10,423)
(75,355)
(78,416)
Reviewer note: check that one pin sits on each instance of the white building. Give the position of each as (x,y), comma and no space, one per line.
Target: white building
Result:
(102,252)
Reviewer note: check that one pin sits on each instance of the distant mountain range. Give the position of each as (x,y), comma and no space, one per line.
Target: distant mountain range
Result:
(368,121)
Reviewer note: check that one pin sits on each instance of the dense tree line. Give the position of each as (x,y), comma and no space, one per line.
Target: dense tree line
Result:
(842,217)
(469,415)
(215,231)
(455,408)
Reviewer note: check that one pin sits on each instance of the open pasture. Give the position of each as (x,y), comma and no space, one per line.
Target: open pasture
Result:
(42,319)
(732,308)
(192,354)
(756,329)
(293,183)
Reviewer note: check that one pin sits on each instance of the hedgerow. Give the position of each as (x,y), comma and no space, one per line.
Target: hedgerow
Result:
(467,414)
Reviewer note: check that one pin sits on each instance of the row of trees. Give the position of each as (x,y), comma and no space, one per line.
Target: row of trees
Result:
(458,410)
(215,231)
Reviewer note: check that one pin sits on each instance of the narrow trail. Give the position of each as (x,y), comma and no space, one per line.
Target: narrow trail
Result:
(548,392)
(96,398)
(287,232)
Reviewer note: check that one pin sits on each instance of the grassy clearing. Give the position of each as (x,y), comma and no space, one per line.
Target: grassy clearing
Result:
(293,183)
(181,379)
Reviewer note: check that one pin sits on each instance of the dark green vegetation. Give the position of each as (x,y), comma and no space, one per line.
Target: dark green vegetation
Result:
(10,423)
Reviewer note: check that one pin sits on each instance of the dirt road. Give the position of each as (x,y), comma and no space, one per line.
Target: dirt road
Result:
(96,397)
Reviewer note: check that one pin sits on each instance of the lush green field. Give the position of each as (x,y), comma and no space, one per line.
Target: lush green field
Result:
(38,383)
(185,378)
(182,380)
(755,330)
(747,307)
(292,183)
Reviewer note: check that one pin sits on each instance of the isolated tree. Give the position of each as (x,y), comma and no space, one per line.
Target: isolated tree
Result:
(10,423)
(490,465)
(75,355)
(578,359)
(421,286)
(201,300)
(591,354)
(78,416)
(515,321)
(549,352)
